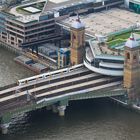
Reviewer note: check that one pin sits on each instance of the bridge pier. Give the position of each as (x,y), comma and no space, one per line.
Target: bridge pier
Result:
(62,107)
(4,128)
(54,108)
(48,107)
(61,110)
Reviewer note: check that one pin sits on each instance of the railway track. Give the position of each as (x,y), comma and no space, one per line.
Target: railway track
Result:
(62,87)
(52,79)
(59,84)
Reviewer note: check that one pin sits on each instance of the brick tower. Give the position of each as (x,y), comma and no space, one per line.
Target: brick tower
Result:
(77,42)
(132,65)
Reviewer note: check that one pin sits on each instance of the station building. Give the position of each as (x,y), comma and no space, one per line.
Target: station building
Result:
(133,5)
(33,23)
(113,65)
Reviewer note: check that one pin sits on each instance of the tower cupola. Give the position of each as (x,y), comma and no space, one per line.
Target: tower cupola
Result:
(77,24)
(131,42)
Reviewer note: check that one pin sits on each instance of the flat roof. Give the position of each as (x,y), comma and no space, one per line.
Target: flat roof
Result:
(106,22)
(25,18)
(28,18)
(32,9)
(49,6)
(54,5)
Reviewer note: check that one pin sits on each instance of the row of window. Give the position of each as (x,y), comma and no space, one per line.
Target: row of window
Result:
(112,1)
(16,25)
(31,32)
(16,30)
(30,26)
(113,61)
(135,7)
(134,56)
(107,68)
(96,64)
(39,24)
(14,34)
(90,6)
(41,29)
(45,33)
(40,34)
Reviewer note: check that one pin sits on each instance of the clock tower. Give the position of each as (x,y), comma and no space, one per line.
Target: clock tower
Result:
(77,42)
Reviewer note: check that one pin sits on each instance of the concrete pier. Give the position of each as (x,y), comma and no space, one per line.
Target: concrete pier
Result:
(61,110)
(54,109)
(48,107)
(4,128)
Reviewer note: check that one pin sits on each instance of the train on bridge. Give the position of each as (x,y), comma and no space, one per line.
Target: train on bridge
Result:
(56,88)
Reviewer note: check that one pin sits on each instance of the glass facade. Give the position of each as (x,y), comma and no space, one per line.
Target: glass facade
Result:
(89,6)
(2,22)
(135,7)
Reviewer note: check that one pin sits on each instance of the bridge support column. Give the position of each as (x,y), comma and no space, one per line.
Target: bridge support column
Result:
(4,128)
(54,109)
(49,107)
(61,110)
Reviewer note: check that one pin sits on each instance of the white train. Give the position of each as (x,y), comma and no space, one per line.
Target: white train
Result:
(48,74)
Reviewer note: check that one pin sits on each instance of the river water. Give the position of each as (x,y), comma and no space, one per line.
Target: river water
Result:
(10,72)
(98,119)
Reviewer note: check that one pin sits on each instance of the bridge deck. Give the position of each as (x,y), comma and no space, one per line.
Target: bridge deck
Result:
(56,85)
(46,86)
(75,87)
(41,81)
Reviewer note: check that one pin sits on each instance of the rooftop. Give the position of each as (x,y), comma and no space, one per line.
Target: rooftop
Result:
(28,12)
(107,22)
(55,5)
(31,11)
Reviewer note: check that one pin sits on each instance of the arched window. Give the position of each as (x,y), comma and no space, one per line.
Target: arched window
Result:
(73,36)
(128,55)
(134,57)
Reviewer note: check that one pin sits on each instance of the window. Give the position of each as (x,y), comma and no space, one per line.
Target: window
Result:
(128,55)
(73,36)
(12,43)
(134,57)
(19,41)
(12,38)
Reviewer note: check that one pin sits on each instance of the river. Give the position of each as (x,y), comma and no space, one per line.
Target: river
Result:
(10,72)
(98,119)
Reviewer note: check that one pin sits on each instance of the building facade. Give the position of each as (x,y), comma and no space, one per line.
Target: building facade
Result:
(29,29)
(132,64)
(133,5)
(21,34)
(3,32)
(99,62)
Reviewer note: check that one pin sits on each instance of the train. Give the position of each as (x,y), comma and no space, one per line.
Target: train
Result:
(48,74)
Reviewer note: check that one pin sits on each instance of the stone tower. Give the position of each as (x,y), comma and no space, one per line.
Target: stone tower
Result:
(132,65)
(77,42)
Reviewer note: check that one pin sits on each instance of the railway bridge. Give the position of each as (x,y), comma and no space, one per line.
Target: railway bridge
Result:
(54,90)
